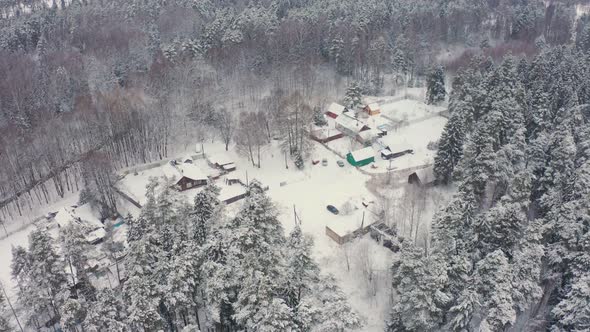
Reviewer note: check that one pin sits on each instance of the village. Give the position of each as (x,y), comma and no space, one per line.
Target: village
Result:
(387,141)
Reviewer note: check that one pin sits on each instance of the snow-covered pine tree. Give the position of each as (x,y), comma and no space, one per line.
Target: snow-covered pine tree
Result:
(301,270)
(334,311)
(419,283)
(435,86)
(450,148)
(4,324)
(206,205)
(106,314)
(319,119)
(74,248)
(353,95)
(493,279)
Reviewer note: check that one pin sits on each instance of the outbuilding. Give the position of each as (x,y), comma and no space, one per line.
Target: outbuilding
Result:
(423,177)
(372,109)
(361,157)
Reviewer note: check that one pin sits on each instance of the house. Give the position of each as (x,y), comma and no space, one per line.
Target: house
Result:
(325,135)
(361,157)
(372,109)
(350,126)
(232,194)
(187,176)
(367,137)
(335,110)
(423,177)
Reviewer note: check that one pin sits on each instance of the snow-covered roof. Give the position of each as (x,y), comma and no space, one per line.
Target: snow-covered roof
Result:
(426,175)
(373,106)
(220,159)
(336,108)
(368,134)
(363,154)
(229,166)
(192,172)
(386,152)
(350,123)
(228,192)
(83,213)
(96,235)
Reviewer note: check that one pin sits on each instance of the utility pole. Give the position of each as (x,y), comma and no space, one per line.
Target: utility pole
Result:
(11,307)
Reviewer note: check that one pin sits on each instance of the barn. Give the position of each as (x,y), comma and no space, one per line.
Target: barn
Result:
(423,177)
(361,157)
(372,109)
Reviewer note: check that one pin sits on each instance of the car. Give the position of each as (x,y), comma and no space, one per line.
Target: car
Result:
(340,163)
(324,162)
(332,209)
(315,162)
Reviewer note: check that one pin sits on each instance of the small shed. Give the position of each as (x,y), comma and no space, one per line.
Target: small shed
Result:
(361,157)
(386,154)
(335,110)
(372,109)
(229,167)
(423,177)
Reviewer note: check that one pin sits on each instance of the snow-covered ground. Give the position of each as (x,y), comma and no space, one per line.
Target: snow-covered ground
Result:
(412,126)
(361,266)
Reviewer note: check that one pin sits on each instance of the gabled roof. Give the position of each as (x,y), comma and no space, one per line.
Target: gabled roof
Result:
(336,109)
(192,172)
(363,154)
(373,106)
(350,123)
(220,159)
(426,175)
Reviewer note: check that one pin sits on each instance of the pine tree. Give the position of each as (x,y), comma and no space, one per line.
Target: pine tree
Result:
(573,313)
(74,248)
(450,149)
(419,282)
(494,285)
(462,313)
(4,324)
(435,86)
(353,95)
(72,314)
(335,312)
(206,206)
(106,314)
(319,119)
(301,270)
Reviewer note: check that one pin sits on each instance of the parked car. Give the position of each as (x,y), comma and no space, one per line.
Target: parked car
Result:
(324,162)
(332,209)
(340,163)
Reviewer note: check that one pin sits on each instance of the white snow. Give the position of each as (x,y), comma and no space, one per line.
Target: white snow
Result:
(336,109)
(363,154)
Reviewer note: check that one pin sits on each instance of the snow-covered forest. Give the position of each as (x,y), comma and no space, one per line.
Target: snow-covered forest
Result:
(90,89)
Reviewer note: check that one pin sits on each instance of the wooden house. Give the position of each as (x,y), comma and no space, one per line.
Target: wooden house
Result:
(372,109)
(187,176)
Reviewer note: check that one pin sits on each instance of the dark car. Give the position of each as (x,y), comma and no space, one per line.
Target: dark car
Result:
(332,209)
